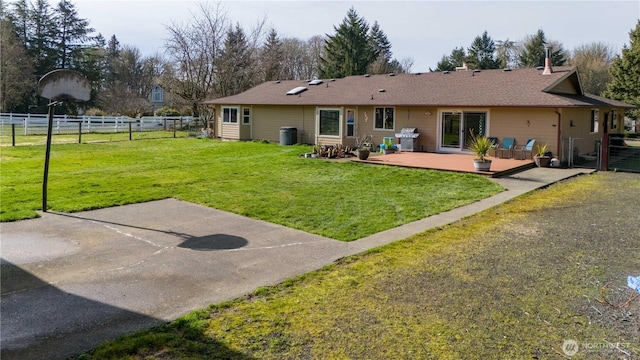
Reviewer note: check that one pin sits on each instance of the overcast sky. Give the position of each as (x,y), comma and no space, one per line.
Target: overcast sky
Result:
(422,30)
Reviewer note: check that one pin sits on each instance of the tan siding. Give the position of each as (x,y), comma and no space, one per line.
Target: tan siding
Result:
(421,118)
(525,124)
(267,121)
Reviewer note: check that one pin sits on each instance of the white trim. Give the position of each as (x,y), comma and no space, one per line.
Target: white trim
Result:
(384,110)
(230,122)
(340,122)
(439,147)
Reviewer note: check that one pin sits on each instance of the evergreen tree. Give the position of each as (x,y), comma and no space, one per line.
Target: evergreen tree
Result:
(382,51)
(16,81)
(625,74)
(450,62)
(272,57)
(480,55)
(350,51)
(533,53)
(73,35)
(236,65)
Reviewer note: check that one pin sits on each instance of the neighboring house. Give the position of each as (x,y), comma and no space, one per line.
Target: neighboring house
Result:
(544,104)
(159,98)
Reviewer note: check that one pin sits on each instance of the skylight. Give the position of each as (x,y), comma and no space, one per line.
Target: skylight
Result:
(296,91)
(315,82)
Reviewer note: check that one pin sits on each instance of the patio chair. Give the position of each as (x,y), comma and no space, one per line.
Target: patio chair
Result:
(494,140)
(507,144)
(522,149)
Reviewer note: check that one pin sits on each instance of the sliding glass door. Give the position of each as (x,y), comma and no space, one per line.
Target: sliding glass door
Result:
(458,127)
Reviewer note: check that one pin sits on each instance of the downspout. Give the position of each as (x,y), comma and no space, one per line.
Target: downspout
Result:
(559,140)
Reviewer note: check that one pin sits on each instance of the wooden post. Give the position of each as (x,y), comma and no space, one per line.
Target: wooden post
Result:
(129,130)
(80,132)
(174,128)
(13,134)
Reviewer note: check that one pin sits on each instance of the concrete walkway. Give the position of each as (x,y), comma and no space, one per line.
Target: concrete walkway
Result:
(71,281)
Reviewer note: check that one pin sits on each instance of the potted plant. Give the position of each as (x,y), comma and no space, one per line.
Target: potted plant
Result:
(542,157)
(480,145)
(363,147)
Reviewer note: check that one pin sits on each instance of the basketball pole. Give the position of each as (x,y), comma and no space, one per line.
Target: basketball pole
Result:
(47,155)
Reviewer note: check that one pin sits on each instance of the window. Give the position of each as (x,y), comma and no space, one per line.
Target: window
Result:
(595,114)
(157,94)
(385,119)
(329,122)
(230,115)
(246,116)
(351,123)
(614,119)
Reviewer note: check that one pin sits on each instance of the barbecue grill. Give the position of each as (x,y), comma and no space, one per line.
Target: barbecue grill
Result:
(408,139)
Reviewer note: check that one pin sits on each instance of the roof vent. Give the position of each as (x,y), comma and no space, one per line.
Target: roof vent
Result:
(540,68)
(296,91)
(315,82)
(474,72)
(381,90)
(366,75)
(277,81)
(506,69)
(445,72)
(332,80)
(418,73)
(392,74)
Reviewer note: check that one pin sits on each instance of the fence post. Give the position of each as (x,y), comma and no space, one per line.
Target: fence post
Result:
(174,128)
(129,130)
(604,162)
(80,132)
(26,125)
(13,134)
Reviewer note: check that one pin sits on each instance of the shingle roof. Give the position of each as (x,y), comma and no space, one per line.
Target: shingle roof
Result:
(487,88)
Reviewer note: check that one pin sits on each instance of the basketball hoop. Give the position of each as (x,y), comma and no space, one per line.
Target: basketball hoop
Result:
(60,86)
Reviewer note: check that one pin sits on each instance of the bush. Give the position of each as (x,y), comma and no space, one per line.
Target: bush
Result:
(167,111)
(95,112)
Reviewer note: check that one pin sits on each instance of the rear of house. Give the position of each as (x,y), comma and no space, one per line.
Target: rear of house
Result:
(444,108)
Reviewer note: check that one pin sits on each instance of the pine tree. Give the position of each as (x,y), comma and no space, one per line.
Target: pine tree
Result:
(382,51)
(350,51)
(480,55)
(450,62)
(236,65)
(73,35)
(272,57)
(625,74)
(533,53)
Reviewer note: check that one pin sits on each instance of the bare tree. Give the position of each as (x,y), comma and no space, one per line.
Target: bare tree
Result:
(195,48)
(593,61)
(16,68)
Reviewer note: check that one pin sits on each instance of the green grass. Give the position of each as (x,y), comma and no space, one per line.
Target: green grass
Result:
(340,200)
(20,140)
(513,282)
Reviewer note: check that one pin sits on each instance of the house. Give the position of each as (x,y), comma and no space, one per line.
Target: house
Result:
(546,104)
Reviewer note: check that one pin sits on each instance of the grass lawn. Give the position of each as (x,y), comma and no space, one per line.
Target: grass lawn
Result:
(5,140)
(514,282)
(340,200)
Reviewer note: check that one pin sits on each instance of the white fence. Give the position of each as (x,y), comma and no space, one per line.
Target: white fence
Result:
(36,124)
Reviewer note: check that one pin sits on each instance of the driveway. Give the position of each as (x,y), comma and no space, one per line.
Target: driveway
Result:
(71,281)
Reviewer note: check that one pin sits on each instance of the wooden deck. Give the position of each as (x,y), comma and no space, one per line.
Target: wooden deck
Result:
(449,162)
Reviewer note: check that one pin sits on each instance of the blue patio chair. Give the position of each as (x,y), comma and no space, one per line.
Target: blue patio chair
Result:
(523,149)
(507,145)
